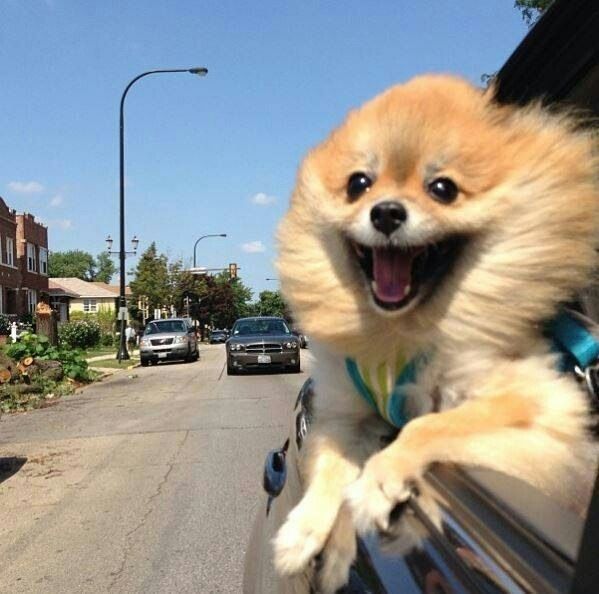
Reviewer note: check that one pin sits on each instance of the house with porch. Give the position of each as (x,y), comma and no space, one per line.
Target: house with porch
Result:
(70,294)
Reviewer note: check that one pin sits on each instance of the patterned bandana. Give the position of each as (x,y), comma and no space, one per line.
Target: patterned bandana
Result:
(383,386)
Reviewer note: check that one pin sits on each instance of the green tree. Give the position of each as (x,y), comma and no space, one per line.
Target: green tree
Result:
(80,264)
(104,268)
(151,280)
(532,10)
(270,303)
(73,263)
(235,299)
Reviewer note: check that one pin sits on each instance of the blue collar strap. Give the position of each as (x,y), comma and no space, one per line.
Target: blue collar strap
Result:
(572,338)
(568,333)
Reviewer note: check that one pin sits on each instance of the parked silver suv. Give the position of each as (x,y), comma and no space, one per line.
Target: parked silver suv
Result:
(164,340)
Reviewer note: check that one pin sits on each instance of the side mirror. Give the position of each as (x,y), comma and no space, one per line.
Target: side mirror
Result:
(275,473)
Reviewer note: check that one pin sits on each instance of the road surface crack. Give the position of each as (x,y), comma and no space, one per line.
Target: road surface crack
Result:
(129,537)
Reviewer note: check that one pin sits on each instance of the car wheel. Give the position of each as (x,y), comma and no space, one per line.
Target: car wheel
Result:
(197,355)
(231,370)
(144,362)
(296,368)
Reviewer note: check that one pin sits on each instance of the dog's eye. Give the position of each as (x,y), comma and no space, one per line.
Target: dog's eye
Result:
(357,184)
(443,190)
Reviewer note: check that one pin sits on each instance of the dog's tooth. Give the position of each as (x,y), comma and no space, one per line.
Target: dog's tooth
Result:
(407,290)
(373,285)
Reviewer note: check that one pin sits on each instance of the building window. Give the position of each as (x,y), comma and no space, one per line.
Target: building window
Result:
(1,299)
(43,261)
(32,300)
(31,259)
(10,251)
(89,306)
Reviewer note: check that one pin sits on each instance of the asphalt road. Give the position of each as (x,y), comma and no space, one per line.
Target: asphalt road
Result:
(146,482)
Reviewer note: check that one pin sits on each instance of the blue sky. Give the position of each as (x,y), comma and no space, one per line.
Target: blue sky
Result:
(215,154)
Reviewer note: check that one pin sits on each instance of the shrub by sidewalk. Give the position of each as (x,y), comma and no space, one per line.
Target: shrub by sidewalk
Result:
(32,371)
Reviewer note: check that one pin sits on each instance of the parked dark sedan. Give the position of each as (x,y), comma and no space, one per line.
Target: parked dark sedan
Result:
(218,336)
(262,343)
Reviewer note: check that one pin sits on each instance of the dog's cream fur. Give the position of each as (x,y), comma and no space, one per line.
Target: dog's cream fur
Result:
(529,205)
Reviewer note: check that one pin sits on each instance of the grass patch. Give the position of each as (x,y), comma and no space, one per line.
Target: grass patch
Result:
(39,395)
(98,351)
(114,363)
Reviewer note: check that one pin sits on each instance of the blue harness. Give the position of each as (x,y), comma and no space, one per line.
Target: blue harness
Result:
(569,336)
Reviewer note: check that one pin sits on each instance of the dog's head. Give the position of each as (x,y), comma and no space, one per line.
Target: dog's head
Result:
(432,208)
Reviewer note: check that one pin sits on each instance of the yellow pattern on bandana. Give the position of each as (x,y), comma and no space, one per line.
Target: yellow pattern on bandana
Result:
(382,385)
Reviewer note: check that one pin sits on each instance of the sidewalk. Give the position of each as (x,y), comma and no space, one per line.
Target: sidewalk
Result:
(110,356)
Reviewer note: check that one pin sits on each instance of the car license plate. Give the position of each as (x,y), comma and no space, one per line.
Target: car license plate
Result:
(162,355)
(263,358)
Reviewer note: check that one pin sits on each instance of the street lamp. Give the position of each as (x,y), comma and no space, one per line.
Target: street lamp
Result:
(134,245)
(195,245)
(200,71)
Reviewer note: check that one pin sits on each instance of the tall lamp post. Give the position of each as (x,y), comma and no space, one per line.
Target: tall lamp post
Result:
(122,352)
(195,245)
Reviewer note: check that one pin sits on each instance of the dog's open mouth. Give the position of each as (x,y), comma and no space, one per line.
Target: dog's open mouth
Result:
(397,275)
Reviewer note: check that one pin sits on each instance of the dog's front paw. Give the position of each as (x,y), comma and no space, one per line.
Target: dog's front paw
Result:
(300,539)
(379,489)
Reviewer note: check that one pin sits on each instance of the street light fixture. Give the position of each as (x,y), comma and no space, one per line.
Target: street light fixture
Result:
(195,245)
(134,244)
(122,314)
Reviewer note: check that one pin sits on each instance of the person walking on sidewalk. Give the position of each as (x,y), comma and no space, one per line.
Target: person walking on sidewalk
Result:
(130,335)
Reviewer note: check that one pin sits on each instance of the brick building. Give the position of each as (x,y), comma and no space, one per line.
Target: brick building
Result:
(23,261)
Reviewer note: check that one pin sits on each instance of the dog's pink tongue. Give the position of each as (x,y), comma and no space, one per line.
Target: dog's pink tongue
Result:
(392,270)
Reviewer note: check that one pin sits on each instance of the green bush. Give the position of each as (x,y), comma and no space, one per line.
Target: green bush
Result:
(107,340)
(4,325)
(80,334)
(32,345)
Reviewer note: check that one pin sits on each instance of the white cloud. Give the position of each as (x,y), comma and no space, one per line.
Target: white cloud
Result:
(56,200)
(262,199)
(253,247)
(28,187)
(63,224)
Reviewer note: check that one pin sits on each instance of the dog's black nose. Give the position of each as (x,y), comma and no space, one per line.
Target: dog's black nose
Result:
(388,216)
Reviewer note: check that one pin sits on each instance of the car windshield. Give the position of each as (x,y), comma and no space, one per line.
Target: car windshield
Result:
(260,327)
(165,326)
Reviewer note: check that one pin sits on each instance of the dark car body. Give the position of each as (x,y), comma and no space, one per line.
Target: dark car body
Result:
(303,340)
(496,533)
(218,337)
(490,538)
(262,343)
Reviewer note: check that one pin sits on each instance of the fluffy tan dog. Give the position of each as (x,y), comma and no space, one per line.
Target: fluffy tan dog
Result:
(438,230)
